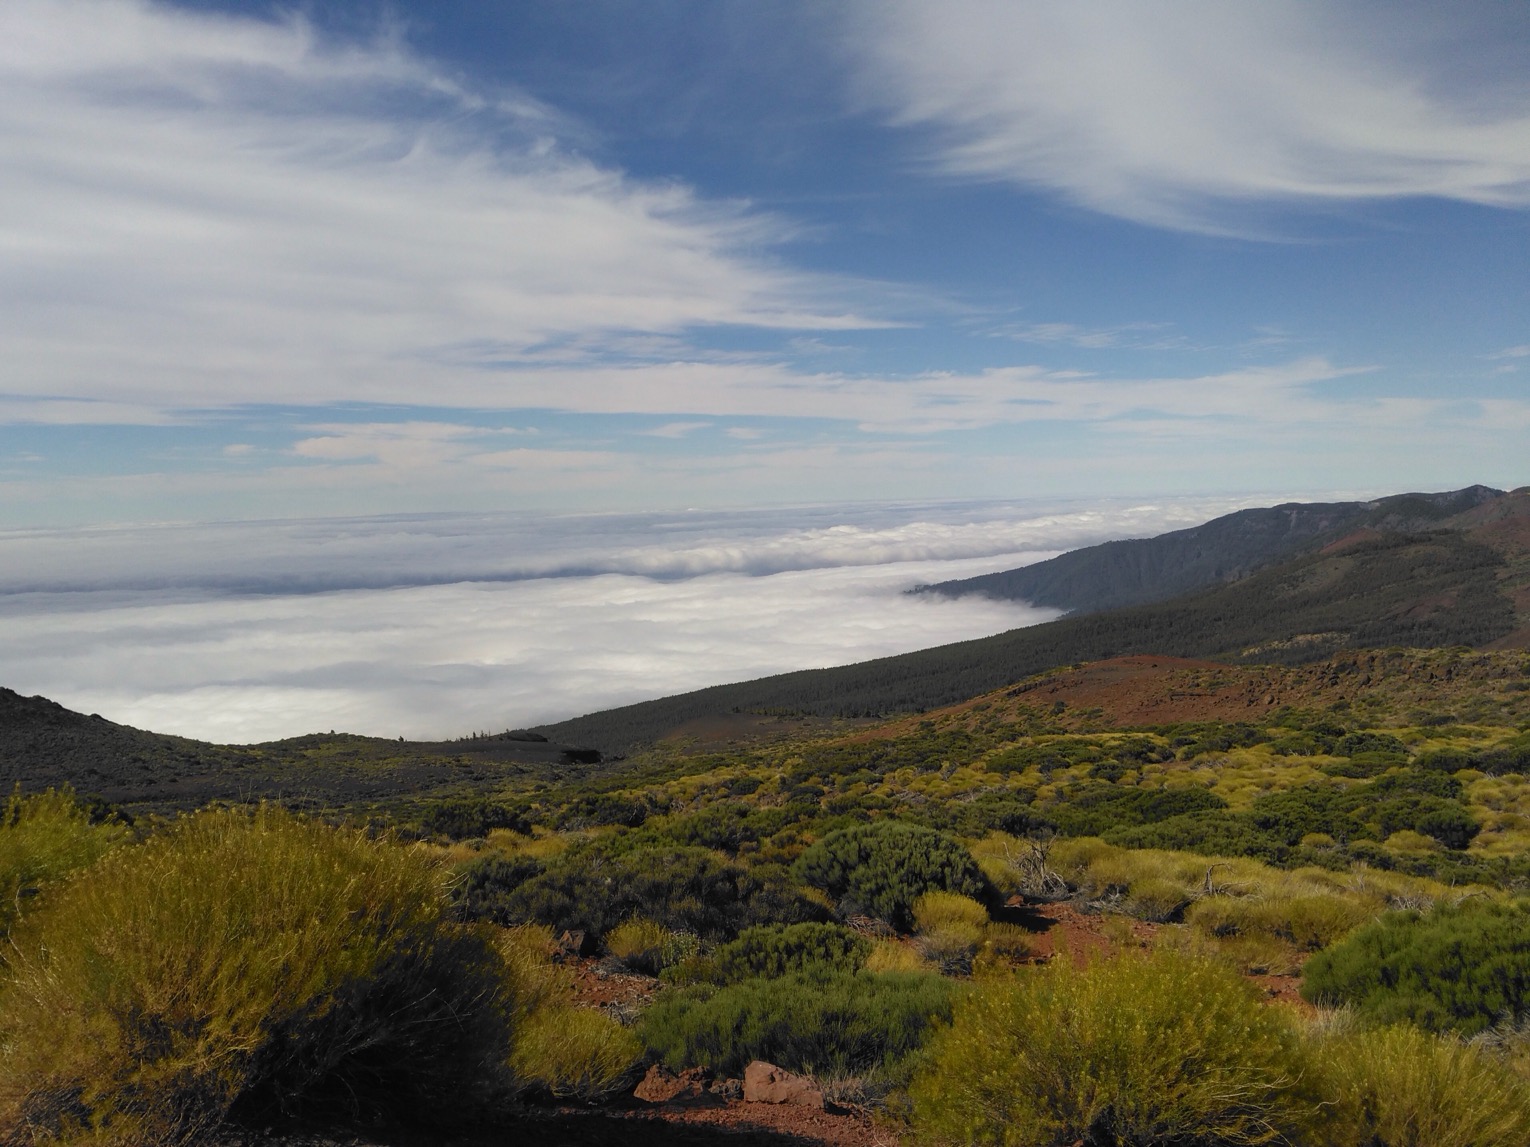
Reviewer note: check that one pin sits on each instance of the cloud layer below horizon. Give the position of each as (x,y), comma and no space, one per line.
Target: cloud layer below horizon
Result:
(350,625)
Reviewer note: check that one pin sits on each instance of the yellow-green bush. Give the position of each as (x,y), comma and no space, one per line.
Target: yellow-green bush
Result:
(43,838)
(574,1053)
(1143,1048)
(1004,947)
(649,947)
(246,967)
(559,1049)
(1402,1087)
(950,928)
(949,911)
(891,956)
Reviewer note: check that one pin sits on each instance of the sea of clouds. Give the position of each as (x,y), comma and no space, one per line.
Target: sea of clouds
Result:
(430,626)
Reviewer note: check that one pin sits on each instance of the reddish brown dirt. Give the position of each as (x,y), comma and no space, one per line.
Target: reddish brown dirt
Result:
(595,986)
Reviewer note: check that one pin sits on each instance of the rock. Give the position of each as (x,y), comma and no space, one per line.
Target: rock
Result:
(729,1088)
(688,1089)
(767,1083)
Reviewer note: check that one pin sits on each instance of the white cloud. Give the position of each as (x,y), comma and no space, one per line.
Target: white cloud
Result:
(440,625)
(926,402)
(200,211)
(1171,113)
(445,660)
(676,429)
(1134,336)
(324,554)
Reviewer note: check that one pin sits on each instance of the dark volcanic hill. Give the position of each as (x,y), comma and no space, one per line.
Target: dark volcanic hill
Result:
(43,744)
(1465,582)
(1143,570)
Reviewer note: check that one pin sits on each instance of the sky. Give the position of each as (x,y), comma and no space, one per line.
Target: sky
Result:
(276,259)
(309,270)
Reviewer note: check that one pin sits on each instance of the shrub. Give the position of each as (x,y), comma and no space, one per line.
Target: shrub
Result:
(574,1053)
(1004,946)
(1445,760)
(1352,744)
(885,866)
(471,817)
(847,1024)
(1402,1087)
(686,889)
(891,956)
(1100,808)
(773,950)
(484,884)
(1206,833)
(248,968)
(950,929)
(1143,1048)
(44,838)
(1458,968)
(1308,922)
(647,947)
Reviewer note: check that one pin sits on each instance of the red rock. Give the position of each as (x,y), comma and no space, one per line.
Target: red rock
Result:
(688,1089)
(767,1083)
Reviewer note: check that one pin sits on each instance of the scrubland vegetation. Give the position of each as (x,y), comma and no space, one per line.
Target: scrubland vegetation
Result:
(861,907)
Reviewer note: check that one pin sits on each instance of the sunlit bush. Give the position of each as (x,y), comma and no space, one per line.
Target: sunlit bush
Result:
(247,967)
(1403,1087)
(44,838)
(1157,1048)
(574,1053)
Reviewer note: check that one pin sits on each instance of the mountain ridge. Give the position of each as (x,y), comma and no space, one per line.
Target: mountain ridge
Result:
(1140,571)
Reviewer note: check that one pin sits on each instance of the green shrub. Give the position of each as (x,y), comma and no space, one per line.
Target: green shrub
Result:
(685,889)
(1352,744)
(773,950)
(1445,760)
(1458,968)
(1401,1087)
(883,867)
(1208,833)
(44,838)
(846,1024)
(1100,808)
(471,817)
(484,884)
(1140,1049)
(247,967)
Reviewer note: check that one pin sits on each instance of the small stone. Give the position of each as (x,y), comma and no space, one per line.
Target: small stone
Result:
(767,1083)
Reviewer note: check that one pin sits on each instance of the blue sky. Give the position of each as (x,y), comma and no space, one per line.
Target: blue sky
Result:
(354,258)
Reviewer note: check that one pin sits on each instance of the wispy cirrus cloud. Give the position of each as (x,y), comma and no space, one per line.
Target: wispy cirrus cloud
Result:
(1179,114)
(200,211)
(1132,336)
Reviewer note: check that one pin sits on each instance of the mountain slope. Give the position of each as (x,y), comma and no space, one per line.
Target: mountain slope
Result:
(1144,570)
(1374,590)
(44,744)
